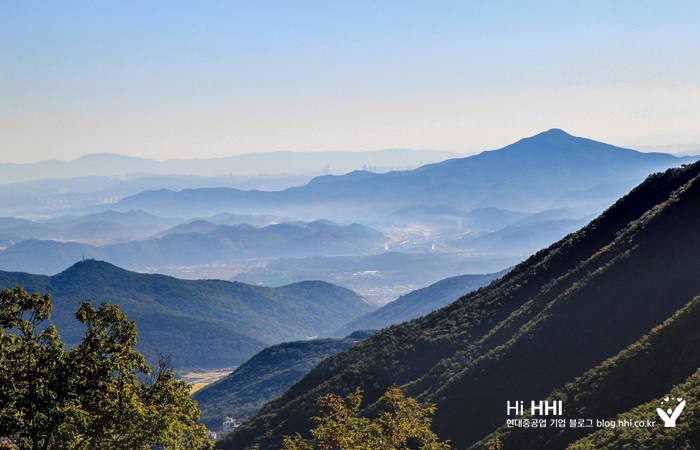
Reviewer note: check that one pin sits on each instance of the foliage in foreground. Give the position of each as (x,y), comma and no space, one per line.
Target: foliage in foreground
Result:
(403,424)
(98,395)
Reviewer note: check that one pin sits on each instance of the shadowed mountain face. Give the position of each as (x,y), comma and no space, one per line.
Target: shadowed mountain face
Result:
(529,175)
(558,314)
(264,377)
(204,323)
(629,386)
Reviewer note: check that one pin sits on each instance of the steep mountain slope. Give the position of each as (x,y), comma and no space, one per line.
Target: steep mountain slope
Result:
(205,323)
(644,372)
(265,376)
(556,315)
(418,303)
(685,434)
(529,175)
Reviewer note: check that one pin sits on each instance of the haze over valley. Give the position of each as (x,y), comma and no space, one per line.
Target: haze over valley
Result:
(598,321)
(273,282)
(381,234)
(265,225)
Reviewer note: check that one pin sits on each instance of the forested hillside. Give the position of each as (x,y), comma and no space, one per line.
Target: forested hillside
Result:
(558,314)
(206,323)
(265,376)
(646,371)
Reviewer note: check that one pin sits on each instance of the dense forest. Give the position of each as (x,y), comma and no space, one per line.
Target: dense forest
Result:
(264,377)
(202,323)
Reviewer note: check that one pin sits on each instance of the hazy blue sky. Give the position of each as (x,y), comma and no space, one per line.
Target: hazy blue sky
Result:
(174,79)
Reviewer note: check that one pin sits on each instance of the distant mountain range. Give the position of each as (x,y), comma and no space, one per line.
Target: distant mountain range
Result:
(205,323)
(247,165)
(53,197)
(100,227)
(546,171)
(494,208)
(197,242)
(564,311)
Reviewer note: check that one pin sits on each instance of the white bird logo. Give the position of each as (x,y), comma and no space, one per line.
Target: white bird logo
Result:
(669,416)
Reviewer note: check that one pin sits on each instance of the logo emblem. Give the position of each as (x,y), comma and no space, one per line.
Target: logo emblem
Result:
(670,415)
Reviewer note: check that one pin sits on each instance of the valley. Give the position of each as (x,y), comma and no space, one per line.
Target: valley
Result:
(412,258)
(578,308)
(349,225)
(471,253)
(396,231)
(199,379)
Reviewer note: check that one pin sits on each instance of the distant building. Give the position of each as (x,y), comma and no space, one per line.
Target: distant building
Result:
(229,424)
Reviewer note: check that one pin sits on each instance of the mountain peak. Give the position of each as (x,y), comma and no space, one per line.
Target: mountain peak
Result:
(558,141)
(556,132)
(92,266)
(552,135)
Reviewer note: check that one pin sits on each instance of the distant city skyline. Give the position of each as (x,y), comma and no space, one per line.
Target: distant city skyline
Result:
(173,80)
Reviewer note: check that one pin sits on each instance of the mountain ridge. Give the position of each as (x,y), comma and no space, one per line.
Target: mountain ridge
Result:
(202,323)
(197,242)
(250,164)
(529,174)
(583,299)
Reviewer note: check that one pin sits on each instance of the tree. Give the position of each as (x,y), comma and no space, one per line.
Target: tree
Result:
(98,395)
(402,424)
(494,443)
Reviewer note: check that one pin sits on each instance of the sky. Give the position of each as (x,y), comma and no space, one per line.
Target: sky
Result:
(182,79)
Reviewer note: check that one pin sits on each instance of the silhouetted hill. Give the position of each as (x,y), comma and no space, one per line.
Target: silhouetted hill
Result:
(263,377)
(418,303)
(529,175)
(206,323)
(560,313)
